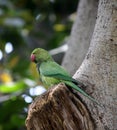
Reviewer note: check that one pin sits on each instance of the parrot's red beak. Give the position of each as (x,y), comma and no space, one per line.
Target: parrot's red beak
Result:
(32,57)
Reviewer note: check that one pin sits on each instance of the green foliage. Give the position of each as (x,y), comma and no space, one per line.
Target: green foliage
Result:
(13,87)
(12,115)
(25,25)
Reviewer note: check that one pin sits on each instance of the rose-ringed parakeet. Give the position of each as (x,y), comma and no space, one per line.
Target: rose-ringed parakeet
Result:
(52,73)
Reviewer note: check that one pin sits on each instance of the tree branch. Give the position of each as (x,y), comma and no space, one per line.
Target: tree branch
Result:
(58,109)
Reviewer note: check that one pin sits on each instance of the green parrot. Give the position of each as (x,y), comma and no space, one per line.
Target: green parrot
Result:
(52,73)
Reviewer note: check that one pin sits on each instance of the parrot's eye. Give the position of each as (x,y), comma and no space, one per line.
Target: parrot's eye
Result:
(32,57)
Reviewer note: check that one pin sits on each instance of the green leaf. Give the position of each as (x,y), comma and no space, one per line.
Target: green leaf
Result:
(12,87)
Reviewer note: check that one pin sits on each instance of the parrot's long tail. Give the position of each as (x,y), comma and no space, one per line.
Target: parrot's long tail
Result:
(72,85)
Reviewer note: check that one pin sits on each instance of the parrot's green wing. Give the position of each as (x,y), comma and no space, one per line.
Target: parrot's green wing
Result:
(52,69)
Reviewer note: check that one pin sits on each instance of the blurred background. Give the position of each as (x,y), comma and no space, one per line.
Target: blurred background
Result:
(25,25)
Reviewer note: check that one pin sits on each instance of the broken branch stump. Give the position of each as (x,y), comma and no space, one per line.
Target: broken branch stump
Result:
(58,109)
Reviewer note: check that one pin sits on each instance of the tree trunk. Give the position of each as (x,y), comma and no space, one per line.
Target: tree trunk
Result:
(81,35)
(99,69)
(63,109)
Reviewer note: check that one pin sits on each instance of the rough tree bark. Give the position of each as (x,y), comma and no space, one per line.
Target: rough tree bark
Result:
(99,69)
(81,35)
(63,109)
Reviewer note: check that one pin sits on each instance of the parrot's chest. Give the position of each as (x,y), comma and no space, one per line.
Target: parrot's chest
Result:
(49,80)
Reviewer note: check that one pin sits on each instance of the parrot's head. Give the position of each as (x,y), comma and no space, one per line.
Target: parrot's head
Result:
(40,55)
